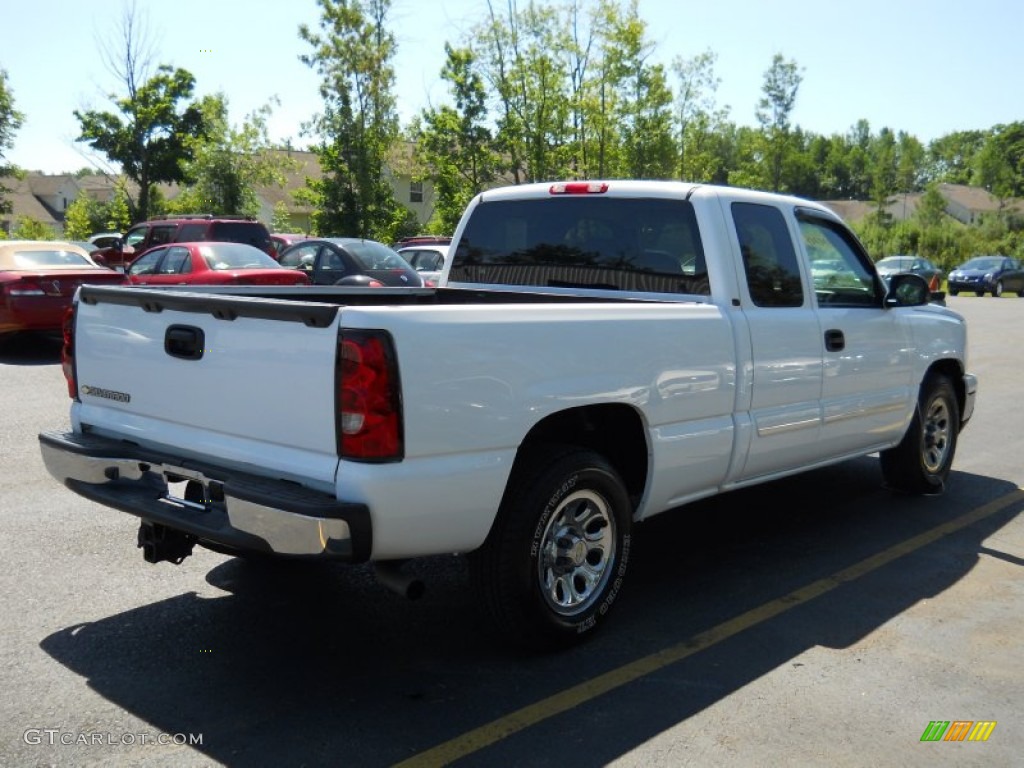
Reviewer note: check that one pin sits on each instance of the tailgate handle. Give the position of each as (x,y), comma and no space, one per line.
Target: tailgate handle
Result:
(185,342)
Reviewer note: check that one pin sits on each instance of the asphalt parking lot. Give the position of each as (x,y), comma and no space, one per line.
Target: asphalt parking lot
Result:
(818,620)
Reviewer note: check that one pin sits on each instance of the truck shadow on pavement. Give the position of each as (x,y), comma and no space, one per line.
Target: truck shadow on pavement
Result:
(321,665)
(30,349)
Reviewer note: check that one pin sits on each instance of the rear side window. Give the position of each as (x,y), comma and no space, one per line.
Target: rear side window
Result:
(769,259)
(630,244)
(161,234)
(178,260)
(190,233)
(249,232)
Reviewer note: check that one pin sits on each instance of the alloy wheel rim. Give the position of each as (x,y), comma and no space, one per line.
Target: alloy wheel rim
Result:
(937,431)
(576,553)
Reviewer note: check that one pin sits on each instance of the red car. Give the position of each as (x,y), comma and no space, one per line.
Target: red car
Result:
(38,280)
(209,263)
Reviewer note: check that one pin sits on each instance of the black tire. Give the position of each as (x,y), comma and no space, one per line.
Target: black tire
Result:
(997,291)
(556,557)
(921,462)
(953,291)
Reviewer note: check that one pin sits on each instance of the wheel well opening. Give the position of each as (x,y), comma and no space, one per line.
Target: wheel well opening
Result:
(615,431)
(952,370)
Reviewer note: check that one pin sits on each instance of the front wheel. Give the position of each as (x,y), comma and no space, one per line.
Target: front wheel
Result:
(922,460)
(997,291)
(555,560)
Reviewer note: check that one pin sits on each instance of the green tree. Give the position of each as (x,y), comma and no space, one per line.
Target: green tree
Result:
(147,133)
(999,164)
(644,103)
(352,53)
(10,122)
(931,209)
(454,144)
(116,215)
(281,221)
(694,110)
(79,217)
(883,172)
(149,137)
(228,164)
(781,84)
(523,58)
(951,157)
(28,228)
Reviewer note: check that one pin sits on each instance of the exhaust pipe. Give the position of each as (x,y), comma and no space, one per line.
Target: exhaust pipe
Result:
(389,573)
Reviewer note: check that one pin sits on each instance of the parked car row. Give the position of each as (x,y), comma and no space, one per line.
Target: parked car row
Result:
(892,265)
(987,274)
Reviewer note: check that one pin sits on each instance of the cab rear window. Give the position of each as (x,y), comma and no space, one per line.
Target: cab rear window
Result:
(642,244)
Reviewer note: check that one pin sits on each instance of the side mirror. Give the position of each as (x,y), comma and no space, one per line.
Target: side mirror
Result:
(907,290)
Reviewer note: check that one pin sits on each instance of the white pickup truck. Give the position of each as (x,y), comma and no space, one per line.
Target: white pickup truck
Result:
(596,353)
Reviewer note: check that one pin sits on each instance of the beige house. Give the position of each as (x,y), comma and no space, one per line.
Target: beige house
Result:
(965,204)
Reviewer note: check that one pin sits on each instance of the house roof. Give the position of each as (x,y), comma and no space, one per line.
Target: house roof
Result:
(976,199)
(25,203)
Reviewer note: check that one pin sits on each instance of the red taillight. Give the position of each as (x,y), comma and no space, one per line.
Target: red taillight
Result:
(369,407)
(67,352)
(579,188)
(25,287)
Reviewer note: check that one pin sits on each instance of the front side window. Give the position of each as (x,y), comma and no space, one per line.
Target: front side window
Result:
(302,256)
(146,264)
(839,266)
(135,237)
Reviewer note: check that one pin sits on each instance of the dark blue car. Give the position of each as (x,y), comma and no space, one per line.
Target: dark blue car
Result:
(987,274)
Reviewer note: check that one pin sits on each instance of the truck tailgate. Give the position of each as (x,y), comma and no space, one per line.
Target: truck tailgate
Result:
(189,372)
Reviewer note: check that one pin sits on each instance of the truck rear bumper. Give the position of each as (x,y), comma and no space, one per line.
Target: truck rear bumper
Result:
(233,509)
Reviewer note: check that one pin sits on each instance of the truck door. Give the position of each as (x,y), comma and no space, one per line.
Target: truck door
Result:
(868,385)
(786,345)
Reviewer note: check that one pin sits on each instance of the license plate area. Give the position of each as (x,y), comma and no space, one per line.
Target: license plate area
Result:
(192,490)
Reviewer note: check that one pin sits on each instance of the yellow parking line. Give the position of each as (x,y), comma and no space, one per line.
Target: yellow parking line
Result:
(503,727)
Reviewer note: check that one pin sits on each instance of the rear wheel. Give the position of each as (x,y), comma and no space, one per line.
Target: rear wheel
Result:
(557,555)
(921,462)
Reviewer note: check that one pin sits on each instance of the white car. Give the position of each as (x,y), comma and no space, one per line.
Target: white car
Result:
(428,260)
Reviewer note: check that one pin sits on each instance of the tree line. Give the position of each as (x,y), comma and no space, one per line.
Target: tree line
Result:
(537,91)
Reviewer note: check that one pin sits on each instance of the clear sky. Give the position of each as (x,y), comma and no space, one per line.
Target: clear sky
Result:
(927,67)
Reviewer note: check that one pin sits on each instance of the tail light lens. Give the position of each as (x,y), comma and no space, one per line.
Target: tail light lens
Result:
(369,409)
(25,288)
(67,352)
